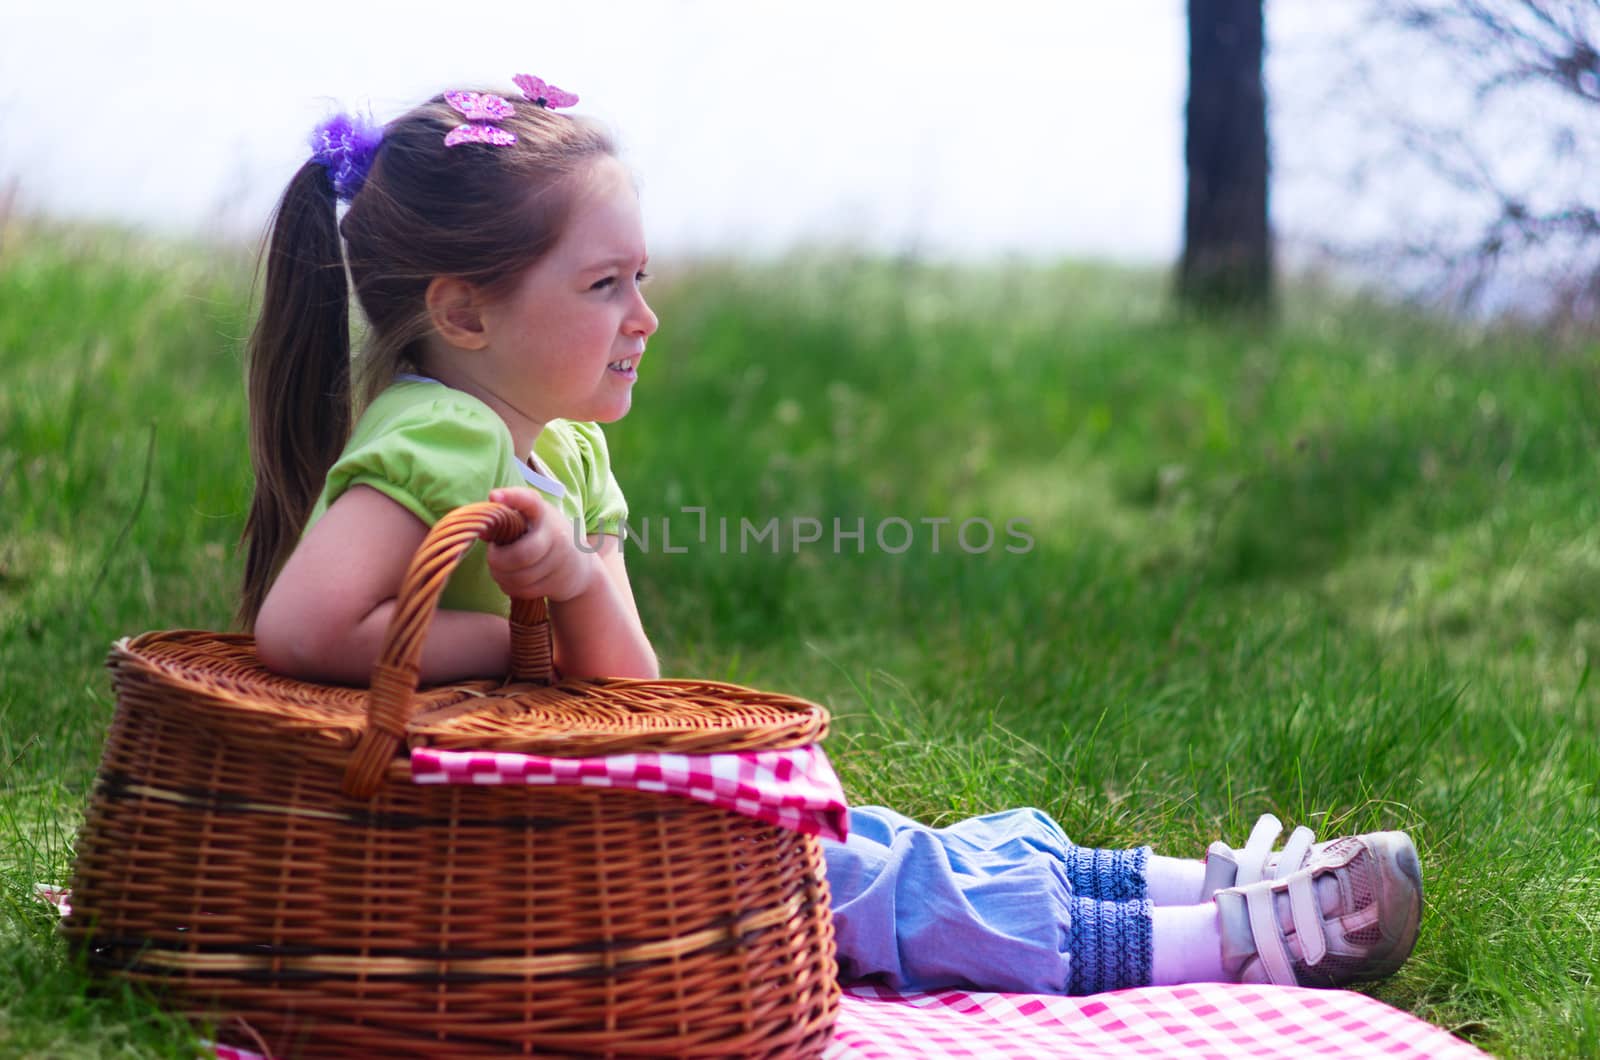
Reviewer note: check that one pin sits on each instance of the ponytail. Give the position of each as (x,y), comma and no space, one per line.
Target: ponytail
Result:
(299,378)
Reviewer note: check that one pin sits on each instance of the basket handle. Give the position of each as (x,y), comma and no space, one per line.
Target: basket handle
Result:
(394,678)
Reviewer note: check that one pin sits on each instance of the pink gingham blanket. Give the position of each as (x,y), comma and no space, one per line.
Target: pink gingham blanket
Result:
(1214,1021)
(796,788)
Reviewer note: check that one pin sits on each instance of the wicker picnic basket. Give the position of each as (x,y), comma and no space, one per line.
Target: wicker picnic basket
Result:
(255,850)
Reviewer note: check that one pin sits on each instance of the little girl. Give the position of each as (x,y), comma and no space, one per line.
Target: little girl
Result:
(496,249)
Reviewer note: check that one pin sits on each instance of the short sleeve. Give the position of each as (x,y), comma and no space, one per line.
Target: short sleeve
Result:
(604,507)
(434,457)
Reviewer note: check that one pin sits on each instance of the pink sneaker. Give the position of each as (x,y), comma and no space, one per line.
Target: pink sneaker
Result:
(1350,916)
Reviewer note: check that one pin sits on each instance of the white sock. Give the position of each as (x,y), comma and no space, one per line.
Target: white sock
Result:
(1173,881)
(1186,944)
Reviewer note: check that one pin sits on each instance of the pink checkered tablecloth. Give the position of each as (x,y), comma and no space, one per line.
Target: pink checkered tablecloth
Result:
(1213,1021)
(1223,1021)
(796,788)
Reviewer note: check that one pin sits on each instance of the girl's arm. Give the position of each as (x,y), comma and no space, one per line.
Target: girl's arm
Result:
(326,614)
(599,634)
(592,611)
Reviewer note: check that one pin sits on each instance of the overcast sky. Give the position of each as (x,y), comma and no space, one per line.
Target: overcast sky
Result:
(1046,127)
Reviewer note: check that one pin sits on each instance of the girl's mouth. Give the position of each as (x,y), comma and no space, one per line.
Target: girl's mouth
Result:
(625,367)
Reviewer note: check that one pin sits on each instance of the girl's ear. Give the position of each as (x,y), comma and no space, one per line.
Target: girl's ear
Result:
(456,313)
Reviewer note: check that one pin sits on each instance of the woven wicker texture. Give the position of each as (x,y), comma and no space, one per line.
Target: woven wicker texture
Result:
(223,860)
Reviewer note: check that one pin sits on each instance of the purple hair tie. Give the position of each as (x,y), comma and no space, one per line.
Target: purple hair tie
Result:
(346,145)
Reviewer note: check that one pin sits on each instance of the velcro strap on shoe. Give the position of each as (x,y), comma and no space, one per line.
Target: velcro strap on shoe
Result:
(1268,935)
(1252,857)
(1307,916)
(1294,852)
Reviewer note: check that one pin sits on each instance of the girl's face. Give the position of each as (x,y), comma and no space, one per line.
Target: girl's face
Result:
(566,344)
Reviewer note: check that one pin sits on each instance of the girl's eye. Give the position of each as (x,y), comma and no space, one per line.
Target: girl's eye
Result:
(602,284)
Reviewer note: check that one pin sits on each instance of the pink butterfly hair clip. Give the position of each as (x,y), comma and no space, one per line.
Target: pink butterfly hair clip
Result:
(548,96)
(480,109)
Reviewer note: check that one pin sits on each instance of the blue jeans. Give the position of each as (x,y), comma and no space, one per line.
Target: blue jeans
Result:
(1001,902)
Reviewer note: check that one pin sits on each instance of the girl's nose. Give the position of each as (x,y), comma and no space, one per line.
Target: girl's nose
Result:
(643,320)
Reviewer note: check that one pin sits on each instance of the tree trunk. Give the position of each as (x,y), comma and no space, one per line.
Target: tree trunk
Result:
(1227,245)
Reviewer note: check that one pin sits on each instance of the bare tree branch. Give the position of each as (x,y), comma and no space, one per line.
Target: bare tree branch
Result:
(1495,105)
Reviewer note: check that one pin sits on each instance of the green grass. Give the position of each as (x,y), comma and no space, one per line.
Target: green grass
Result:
(1346,569)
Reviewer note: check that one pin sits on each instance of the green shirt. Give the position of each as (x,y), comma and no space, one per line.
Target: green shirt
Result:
(431,449)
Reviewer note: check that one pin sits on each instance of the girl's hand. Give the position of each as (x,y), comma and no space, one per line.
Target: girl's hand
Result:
(546,561)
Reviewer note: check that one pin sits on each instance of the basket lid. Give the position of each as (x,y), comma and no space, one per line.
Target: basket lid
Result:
(216,681)
(612,716)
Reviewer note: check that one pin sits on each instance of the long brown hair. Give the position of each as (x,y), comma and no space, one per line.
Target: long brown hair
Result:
(479,212)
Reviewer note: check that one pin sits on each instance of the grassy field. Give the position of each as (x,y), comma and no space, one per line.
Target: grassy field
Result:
(1346,569)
